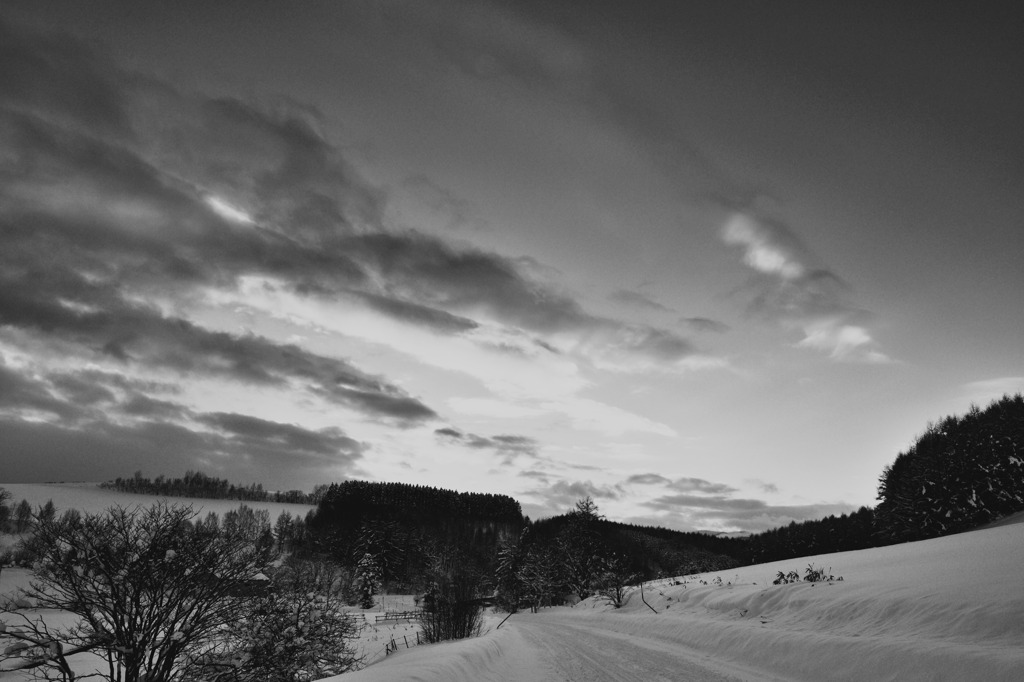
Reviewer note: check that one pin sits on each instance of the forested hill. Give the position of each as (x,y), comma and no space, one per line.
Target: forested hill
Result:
(357,500)
(407,528)
(652,551)
(963,472)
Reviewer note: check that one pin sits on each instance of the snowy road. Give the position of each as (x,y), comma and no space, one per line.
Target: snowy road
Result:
(564,649)
(555,646)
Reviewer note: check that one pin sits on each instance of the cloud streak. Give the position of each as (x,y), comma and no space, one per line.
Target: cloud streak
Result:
(788,286)
(126,202)
(90,425)
(506,445)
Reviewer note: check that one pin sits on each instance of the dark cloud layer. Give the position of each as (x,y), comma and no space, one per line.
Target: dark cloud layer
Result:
(696,504)
(124,201)
(561,496)
(142,193)
(508,446)
(703,511)
(87,425)
(636,299)
(704,324)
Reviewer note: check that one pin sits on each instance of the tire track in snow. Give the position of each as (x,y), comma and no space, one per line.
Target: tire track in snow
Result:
(574,652)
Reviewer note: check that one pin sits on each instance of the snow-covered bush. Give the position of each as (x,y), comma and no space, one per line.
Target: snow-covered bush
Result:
(368,580)
(295,630)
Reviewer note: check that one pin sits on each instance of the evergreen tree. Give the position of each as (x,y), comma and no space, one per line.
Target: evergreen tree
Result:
(368,580)
(22,517)
(47,512)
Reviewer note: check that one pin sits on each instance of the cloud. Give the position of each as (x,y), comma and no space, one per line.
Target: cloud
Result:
(59,75)
(419,194)
(993,389)
(541,476)
(25,397)
(699,504)
(842,341)
(104,324)
(699,485)
(768,247)
(90,425)
(561,496)
(506,445)
(723,512)
(131,209)
(648,479)
(790,287)
(44,451)
(704,324)
(503,48)
(309,221)
(252,434)
(635,299)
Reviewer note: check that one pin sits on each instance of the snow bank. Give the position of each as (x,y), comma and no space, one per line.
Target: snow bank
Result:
(943,609)
(498,656)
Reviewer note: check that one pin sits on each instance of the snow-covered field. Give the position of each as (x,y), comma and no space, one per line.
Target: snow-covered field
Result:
(945,609)
(89,497)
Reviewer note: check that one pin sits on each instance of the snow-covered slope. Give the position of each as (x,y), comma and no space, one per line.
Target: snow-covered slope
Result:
(951,608)
(91,498)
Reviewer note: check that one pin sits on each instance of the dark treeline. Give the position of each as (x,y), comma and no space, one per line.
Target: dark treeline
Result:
(963,472)
(198,484)
(364,499)
(648,551)
(406,529)
(822,536)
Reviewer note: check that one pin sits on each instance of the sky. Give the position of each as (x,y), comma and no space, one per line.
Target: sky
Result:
(712,264)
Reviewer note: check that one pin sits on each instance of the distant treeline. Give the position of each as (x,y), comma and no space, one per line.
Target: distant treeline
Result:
(822,536)
(650,551)
(198,484)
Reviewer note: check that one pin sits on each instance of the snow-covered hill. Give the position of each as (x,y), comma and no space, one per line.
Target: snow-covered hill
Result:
(943,609)
(91,498)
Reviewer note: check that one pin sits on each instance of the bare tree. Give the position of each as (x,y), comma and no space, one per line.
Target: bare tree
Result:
(452,608)
(580,547)
(149,590)
(5,511)
(614,578)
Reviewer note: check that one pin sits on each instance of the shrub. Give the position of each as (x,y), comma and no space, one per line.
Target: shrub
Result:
(295,630)
(451,608)
(811,575)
